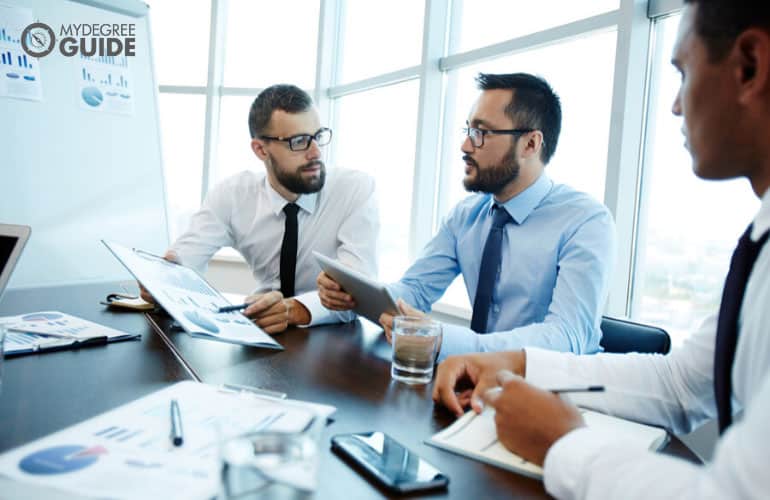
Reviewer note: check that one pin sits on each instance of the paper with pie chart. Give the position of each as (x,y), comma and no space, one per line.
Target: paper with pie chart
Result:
(105,84)
(127,453)
(38,331)
(190,300)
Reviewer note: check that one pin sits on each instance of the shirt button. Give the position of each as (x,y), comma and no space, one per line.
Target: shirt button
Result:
(496,308)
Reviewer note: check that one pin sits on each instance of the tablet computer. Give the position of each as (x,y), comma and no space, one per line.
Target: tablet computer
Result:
(372,297)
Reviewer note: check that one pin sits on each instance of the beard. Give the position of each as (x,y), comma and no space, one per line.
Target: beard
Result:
(294,181)
(493,178)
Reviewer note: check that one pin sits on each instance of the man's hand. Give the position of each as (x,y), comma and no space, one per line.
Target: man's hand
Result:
(386,320)
(332,295)
(271,312)
(170,256)
(530,420)
(463,380)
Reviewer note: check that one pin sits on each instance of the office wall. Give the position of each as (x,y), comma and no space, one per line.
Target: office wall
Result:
(78,173)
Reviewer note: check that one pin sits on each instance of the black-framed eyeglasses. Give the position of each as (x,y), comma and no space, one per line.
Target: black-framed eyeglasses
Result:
(301,142)
(477,135)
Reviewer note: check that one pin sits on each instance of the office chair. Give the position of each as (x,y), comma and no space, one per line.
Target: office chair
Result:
(619,335)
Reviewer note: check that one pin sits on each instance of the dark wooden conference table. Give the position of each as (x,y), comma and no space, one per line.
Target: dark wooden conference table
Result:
(340,365)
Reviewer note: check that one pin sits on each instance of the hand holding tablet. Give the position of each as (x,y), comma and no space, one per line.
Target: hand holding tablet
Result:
(371,298)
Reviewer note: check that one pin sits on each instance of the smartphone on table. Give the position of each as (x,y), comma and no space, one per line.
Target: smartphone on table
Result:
(389,462)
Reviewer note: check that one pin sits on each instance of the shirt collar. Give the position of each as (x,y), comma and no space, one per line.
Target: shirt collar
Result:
(762,219)
(520,206)
(306,202)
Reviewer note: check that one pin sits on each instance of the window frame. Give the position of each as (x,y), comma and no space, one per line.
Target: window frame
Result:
(633,20)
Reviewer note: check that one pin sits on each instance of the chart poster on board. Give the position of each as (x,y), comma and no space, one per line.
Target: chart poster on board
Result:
(19,72)
(104,84)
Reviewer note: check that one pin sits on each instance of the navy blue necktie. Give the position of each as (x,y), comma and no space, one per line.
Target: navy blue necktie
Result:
(727,324)
(289,250)
(490,262)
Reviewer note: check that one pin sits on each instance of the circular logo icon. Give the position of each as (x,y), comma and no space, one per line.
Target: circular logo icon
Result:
(38,40)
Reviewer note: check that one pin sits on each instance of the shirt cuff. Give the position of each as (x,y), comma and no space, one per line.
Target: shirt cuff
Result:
(547,368)
(319,315)
(457,340)
(312,302)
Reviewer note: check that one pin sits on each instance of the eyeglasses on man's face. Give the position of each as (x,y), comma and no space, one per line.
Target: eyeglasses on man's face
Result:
(301,142)
(477,135)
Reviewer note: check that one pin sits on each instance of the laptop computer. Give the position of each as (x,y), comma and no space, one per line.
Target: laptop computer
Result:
(12,241)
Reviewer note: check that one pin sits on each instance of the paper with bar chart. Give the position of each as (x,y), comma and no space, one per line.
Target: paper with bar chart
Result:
(127,453)
(19,73)
(105,84)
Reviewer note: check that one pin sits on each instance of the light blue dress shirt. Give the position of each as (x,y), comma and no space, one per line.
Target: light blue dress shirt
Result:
(553,279)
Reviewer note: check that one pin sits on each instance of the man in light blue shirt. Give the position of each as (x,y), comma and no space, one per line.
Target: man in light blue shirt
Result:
(535,255)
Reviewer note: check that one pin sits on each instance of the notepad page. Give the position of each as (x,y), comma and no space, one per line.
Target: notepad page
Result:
(475,435)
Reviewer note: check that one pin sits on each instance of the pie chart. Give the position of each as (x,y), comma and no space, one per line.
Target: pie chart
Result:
(60,459)
(202,321)
(92,96)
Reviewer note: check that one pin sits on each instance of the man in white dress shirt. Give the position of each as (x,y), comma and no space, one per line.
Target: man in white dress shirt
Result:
(723,370)
(277,218)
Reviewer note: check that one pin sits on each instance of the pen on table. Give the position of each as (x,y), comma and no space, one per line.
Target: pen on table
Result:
(176,424)
(227,309)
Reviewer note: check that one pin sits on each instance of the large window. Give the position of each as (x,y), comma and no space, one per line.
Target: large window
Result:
(380,37)
(205,94)
(270,42)
(395,81)
(585,89)
(379,138)
(689,227)
(485,22)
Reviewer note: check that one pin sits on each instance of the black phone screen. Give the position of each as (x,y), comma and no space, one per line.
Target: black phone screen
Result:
(390,462)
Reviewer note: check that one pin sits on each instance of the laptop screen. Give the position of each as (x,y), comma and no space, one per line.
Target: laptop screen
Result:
(7,243)
(12,241)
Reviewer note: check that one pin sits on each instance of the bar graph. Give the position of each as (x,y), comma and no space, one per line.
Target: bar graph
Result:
(118,81)
(6,37)
(21,61)
(19,72)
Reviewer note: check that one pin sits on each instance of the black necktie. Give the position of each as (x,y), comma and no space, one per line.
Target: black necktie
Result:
(490,262)
(289,250)
(727,324)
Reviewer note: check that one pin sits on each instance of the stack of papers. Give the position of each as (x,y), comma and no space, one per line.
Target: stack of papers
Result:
(48,330)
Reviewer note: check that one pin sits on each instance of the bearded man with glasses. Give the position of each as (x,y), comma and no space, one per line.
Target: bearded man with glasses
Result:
(535,255)
(278,217)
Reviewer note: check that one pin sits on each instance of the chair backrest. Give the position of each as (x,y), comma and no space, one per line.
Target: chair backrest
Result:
(619,335)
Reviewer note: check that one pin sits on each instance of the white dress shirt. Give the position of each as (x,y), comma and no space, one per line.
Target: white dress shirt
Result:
(676,392)
(245,212)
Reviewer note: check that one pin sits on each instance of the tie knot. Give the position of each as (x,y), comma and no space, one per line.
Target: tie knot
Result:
(500,218)
(291,209)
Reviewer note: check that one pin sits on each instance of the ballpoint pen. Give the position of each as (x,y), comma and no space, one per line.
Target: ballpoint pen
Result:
(176,424)
(557,390)
(239,307)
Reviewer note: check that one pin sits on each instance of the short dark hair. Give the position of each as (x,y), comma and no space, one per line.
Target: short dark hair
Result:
(534,105)
(719,22)
(283,96)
